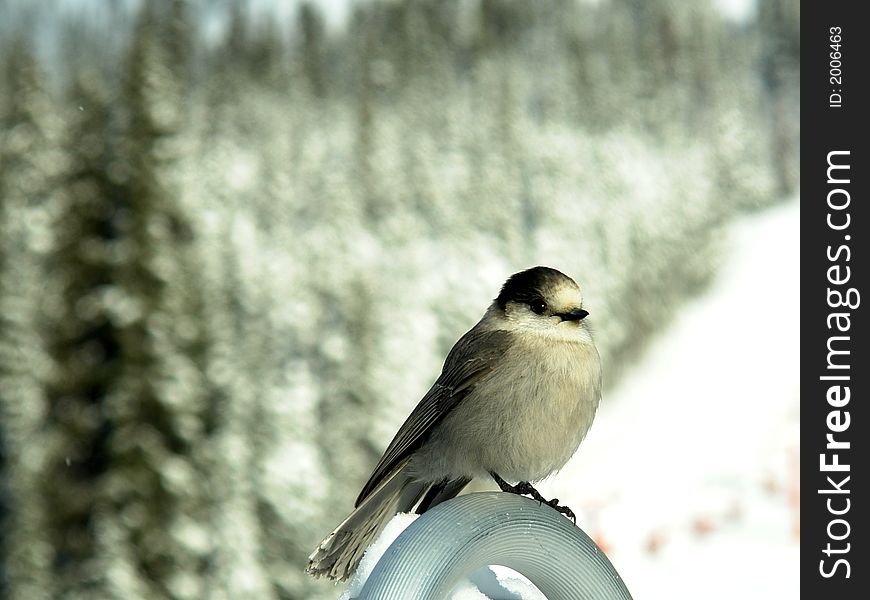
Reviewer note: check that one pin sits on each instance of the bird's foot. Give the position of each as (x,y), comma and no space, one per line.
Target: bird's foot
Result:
(524,488)
(554,504)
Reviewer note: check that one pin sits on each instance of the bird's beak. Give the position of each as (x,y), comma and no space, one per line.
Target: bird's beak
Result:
(578,314)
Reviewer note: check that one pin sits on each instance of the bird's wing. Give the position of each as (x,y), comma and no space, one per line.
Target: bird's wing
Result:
(473,357)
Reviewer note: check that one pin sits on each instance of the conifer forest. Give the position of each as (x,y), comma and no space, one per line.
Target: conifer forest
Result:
(237,242)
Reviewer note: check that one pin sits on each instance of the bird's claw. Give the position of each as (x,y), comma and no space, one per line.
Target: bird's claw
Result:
(554,504)
(524,488)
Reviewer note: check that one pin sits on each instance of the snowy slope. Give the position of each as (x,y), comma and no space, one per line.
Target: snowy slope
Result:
(688,478)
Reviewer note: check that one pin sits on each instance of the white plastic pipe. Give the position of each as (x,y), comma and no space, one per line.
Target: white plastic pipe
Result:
(454,539)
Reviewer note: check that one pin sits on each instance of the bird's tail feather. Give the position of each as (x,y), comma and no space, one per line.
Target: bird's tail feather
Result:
(338,555)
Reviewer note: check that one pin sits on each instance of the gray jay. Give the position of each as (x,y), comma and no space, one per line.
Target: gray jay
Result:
(515,398)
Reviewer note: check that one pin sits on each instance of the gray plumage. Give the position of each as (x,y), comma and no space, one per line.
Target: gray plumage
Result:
(515,398)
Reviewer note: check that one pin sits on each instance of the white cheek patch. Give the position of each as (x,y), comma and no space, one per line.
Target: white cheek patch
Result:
(518,317)
(518,312)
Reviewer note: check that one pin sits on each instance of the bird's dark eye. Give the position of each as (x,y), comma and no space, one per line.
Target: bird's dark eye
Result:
(538,306)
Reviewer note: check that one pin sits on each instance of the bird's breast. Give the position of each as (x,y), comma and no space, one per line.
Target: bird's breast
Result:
(528,416)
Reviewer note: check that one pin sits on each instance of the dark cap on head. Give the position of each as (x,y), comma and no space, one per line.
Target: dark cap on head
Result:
(530,284)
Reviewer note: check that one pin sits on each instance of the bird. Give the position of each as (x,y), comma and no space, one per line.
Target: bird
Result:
(515,398)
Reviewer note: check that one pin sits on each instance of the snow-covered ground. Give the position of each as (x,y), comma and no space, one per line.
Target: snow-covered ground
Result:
(689,477)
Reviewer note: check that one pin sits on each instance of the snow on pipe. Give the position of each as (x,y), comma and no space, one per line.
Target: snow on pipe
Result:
(454,539)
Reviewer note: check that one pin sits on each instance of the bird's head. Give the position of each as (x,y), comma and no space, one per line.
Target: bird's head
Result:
(544,300)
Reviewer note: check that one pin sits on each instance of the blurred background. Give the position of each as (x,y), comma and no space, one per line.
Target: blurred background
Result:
(237,240)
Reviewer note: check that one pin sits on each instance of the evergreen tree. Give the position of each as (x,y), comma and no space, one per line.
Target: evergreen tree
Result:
(157,404)
(312,35)
(84,339)
(779,23)
(371,197)
(28,203)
